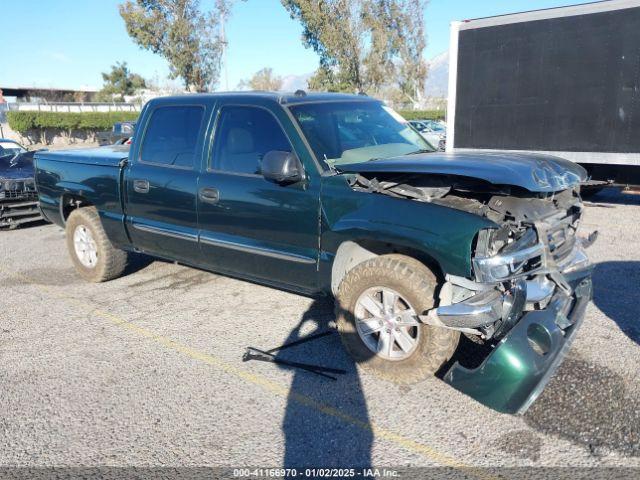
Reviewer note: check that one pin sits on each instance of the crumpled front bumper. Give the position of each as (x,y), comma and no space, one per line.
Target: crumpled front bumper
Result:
(522,363)
(18,203)
(19,211)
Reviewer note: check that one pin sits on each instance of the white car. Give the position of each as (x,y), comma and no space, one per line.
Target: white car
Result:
(433,132)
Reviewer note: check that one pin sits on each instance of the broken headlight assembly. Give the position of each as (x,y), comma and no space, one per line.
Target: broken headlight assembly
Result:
(502,255)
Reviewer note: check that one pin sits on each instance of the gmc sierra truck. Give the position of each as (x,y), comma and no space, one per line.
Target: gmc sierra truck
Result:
(330,194)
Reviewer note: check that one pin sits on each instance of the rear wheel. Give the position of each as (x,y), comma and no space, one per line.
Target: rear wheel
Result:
(378,304)
(93,255)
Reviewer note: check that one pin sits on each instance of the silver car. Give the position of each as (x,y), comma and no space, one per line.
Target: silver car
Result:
(432,131)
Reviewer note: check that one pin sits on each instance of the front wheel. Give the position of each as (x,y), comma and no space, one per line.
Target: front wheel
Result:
(93,255)
(377,307)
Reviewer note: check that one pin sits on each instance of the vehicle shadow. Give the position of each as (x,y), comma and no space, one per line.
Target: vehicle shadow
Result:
(617,296)
(314,435)
(139,261)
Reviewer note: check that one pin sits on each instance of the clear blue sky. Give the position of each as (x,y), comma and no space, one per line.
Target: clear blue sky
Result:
(67,43)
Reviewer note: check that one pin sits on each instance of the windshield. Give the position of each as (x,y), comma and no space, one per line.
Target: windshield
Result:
(353,132)
(8,150)
(435,126)
(419,126)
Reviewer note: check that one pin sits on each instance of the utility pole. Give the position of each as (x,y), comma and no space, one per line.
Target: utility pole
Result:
(224,50)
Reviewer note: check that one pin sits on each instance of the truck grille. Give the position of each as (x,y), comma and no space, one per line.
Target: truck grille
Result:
(18,195)
(14,213)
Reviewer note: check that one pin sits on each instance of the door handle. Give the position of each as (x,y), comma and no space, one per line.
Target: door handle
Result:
(141,186)
(209,195)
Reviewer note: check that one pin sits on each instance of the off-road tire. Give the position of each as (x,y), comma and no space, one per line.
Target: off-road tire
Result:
(111,261)
(417,284)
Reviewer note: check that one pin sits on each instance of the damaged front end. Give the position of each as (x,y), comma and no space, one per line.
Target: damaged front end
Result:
(530,285)
(18,195)
(18,203)
(526,303)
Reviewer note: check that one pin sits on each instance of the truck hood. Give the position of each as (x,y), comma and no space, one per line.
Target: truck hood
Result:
(106,156)
(18,167)
(533,172)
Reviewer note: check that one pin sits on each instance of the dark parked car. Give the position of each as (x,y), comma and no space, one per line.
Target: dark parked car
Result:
(329,194)
(119,134)
(18,197)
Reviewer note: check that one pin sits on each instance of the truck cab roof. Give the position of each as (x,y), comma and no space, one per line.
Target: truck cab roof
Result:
(283,98)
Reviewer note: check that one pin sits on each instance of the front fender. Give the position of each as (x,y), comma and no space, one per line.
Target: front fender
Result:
(444,234)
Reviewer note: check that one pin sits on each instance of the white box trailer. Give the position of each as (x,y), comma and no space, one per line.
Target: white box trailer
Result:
(562,81)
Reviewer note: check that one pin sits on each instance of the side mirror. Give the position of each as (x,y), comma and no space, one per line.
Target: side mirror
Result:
(281,167)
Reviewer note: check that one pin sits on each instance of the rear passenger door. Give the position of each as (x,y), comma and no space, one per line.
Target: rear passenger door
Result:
(248,225)
(161,181)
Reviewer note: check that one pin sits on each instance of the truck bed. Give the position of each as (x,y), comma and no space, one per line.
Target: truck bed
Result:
(92,174)
(107,156)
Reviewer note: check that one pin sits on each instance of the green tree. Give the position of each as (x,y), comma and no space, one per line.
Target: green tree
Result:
(120,81)
(262,80)
(334,30)
(186,37)
(364,45)
(412,71)
(382,20)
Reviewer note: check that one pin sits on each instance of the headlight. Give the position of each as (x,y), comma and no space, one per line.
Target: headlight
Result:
(513,259)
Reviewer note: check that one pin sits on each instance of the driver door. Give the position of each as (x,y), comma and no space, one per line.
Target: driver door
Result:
(250,226)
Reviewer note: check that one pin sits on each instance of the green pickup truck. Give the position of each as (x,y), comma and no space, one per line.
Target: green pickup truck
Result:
(330,194)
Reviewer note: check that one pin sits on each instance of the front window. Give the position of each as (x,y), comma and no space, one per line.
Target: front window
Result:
(351,132)
(8,150)
(243,136)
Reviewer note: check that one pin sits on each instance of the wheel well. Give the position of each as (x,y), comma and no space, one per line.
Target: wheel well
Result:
(70,202)
(352,253)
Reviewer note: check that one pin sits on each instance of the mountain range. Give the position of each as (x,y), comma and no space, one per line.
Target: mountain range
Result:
(437,84)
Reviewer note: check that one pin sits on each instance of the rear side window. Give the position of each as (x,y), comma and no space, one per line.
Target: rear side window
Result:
(243,136)
(172,135)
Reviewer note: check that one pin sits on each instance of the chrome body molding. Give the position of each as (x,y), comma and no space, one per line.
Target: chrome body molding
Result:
(266,252)
(166,232)
(216,242)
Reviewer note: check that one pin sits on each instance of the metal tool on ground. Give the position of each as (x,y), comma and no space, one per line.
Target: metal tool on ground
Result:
(253,353)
